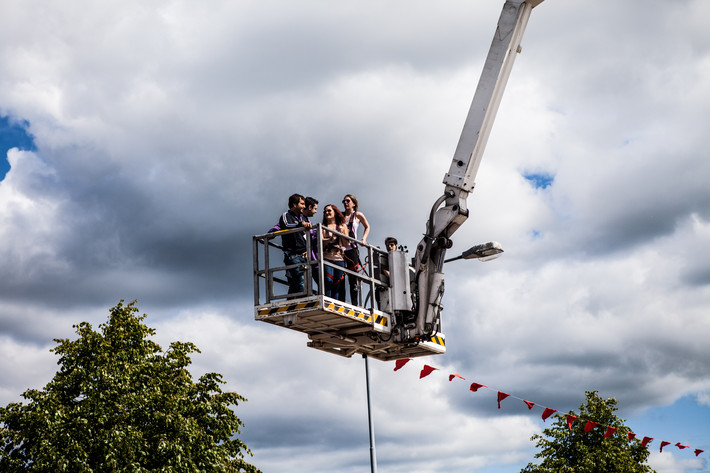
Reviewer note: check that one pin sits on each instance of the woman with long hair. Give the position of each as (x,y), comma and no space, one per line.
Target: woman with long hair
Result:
(353,220)
(333,252)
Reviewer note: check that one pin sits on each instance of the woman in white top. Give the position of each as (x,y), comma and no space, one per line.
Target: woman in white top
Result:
(353,220)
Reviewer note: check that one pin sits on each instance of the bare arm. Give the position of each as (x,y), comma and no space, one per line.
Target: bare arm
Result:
(344,230)
(365,226)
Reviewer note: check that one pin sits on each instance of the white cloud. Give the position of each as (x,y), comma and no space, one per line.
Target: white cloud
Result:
(667,462)
(24,366)
(167,134)
(319,400)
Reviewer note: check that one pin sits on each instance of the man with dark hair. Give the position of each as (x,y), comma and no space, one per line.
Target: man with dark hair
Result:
(384,264)
(294,244)
(382,269)
(293,199)
(311,208)
(308,212)
(390,243)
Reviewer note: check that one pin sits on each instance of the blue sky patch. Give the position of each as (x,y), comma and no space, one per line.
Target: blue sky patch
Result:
(535,234)
(683,421)
(540,180)
(13,135)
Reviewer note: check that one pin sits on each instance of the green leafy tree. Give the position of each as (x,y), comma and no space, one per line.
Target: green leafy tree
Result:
(566,451)
(119,403)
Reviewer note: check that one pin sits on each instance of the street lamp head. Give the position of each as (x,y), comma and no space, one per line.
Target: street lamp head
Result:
(484,251)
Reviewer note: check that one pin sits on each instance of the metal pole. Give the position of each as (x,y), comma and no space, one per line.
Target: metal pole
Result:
(373,455)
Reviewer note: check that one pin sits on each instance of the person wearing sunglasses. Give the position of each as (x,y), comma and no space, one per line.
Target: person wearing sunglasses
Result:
(353,220)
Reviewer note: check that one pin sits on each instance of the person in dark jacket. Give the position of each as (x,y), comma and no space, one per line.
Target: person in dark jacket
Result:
(294,244)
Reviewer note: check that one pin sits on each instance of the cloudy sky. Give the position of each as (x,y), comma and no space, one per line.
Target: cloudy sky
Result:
(144,143)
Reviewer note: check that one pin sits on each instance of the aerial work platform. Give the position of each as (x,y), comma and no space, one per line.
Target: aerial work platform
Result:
(331,325)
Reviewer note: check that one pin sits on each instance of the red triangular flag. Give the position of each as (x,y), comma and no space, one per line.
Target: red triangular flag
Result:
(501,396)
(547,413)
(399,363)
(530,404)
(455,375)
(570,420)
(475,386)
(663,444)
(609,432)
(681,446)
(426,371)
(631,436)
(698,451)
(646,441)
(589,426)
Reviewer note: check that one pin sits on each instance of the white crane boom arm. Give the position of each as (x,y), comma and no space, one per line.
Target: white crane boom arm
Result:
(481,115)
(428,283)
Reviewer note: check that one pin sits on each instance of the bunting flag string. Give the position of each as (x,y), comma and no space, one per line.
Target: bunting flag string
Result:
(501,396)
(475,387)
(426,371)
(547,411)
(400,363)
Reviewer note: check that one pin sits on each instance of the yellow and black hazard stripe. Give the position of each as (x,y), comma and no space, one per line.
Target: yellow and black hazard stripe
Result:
(349,312)
(379,319)
(289,308)
(438,340)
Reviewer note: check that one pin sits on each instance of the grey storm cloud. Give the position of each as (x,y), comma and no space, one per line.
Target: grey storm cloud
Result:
(168,134)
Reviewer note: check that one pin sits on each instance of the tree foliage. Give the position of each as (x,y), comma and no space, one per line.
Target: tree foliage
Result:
(119,403)
(565,451)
